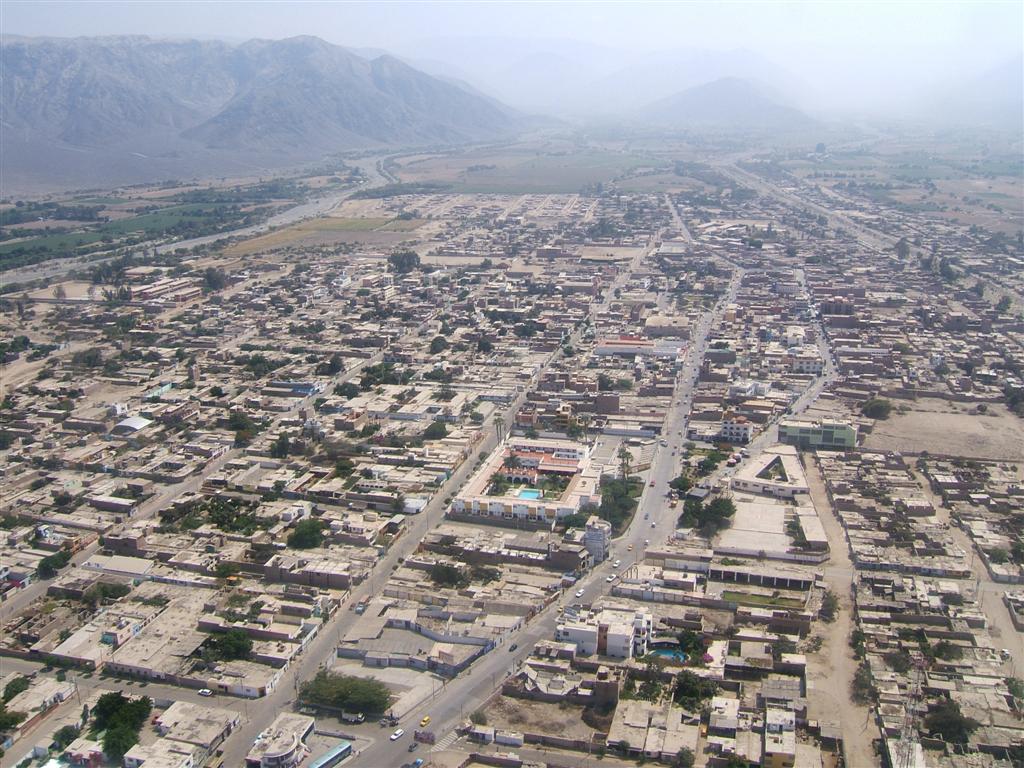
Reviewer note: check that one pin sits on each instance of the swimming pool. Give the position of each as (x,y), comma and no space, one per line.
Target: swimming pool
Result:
(529,493)
(671,653)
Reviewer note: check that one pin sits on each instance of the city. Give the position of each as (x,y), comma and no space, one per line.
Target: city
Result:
(562,450)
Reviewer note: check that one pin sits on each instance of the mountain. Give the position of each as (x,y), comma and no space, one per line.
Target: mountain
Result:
(137,108)
(994,98)
(658,74)
(728,102)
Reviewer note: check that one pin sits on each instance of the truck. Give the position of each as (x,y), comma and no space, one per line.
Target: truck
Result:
(352,717)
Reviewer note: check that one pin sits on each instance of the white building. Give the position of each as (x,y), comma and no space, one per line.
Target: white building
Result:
(618,633)
(597,538)
(737,429)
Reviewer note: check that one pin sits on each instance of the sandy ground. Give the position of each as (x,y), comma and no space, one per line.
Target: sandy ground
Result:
(940,427)
(830,670)
(537,717)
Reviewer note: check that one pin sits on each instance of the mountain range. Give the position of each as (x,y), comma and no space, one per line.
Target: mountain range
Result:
(728,102)
(133,108)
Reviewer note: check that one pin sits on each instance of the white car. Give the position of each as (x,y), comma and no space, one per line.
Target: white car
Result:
(654,524)
(610,579)
(399,733)
(616,564)
(646,542)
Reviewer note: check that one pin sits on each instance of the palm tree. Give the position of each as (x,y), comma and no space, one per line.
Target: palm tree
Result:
(625,461)
(499,426)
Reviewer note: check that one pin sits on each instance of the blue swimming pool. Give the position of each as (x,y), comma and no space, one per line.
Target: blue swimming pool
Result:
(671,653)
(529,493)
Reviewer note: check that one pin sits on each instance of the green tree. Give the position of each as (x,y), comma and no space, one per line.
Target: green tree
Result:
(876,408)
(1003,305)
(229,646)
(479,717)
(307,534)
(829,605)
(281,447)
(118,740)
(404,261)
(436,431)
(691,690)
(684,758)
(902,249)
(946,720)
(16,686)
(438,344)
(353,694)
(447,575)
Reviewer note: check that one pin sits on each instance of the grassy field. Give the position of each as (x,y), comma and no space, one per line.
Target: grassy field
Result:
(743,598)
(304,230)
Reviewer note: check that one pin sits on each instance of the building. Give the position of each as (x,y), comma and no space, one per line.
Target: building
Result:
(737,429)
(825,435)
(597,538)
(541,481)
(618,633)
(779,749)
(282,745)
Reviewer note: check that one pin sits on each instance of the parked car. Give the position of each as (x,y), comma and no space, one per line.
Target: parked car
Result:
(205,692)
(579,593)
(399,733)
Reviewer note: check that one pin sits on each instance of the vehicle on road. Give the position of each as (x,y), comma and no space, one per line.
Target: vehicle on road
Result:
(646,542)
(513,647)
(629,548)
(653,524)
(610,579)
(416,763)
(579,593)
(205,692)
(652,483)
(399,733)
(414,746)
(425,721)
(616,564)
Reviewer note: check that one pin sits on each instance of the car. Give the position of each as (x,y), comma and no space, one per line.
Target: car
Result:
(616,564)
(610,579)
(629,548)
(416,763)
(513,647)
(646,515)
(646,542)
(1005,653)
(425,721)
(579,593)
(653,524)
(399,733)
(652,483)
(205,692)
(414,746)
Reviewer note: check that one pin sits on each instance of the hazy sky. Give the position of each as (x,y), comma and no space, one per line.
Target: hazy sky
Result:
(829,44)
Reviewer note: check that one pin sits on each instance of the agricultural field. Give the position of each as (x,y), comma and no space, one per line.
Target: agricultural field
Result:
(325,230)
(520,169)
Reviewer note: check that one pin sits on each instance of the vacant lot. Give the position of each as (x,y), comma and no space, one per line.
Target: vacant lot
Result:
(955,429)
(538,717)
